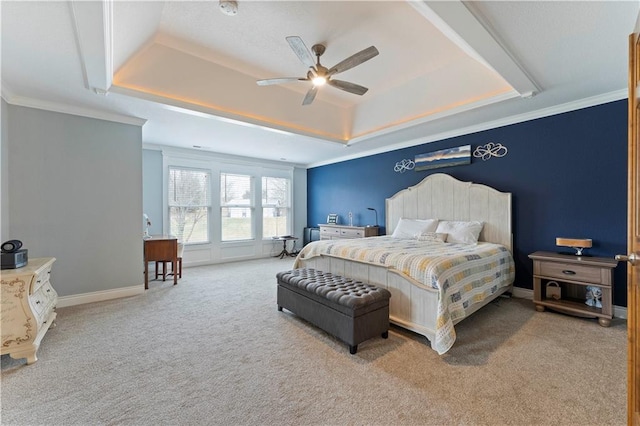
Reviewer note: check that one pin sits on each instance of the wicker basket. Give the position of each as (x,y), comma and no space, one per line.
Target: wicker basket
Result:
(553,290)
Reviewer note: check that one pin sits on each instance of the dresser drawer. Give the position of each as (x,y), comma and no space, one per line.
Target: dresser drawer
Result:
(329,232)
(39,303)
(40,279)
(49,294)
(568,271)
(351,233)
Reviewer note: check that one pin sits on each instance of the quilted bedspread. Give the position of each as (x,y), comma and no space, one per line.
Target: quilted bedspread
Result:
(463,274)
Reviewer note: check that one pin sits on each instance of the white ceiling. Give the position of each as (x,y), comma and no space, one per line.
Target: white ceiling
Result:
(188,71)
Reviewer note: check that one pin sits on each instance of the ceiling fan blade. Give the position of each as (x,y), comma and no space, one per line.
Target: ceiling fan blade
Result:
(281,80)
(301,51)
(353,60)
(348,87)
(310,96)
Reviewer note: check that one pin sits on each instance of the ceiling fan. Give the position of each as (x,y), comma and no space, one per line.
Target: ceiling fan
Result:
(320,75)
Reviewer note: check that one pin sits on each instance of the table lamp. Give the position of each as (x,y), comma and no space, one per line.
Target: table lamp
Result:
(147,224)
(376,211)
(578,244)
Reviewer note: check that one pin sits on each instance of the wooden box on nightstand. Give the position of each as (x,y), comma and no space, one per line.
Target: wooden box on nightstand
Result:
(573,274)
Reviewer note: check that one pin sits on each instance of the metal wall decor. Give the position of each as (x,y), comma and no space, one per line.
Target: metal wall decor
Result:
(404,165)
(490,150)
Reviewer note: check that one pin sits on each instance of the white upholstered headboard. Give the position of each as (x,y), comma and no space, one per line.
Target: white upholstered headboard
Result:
(440,196)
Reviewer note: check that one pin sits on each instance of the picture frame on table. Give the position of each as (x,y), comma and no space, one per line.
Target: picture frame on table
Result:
(332,218)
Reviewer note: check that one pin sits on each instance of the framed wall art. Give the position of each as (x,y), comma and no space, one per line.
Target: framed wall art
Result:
(444,158)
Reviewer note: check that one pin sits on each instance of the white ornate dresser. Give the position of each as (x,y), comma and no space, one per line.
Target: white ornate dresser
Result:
(28,308)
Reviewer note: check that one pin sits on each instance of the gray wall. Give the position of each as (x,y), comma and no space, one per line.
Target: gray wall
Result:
(299,204)
(4,182)
(152,188)
(75,193)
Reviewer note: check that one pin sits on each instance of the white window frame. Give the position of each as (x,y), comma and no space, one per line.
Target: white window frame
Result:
(216,164)
(252,205)
(208,207)
(288,207)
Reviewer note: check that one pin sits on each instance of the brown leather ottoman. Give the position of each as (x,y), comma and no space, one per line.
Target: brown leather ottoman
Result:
(350,310)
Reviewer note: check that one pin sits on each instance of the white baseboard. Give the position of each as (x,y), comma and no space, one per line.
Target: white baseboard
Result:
(525,293)
(99,296)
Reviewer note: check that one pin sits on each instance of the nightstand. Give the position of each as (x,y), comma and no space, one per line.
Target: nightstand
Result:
(573,274)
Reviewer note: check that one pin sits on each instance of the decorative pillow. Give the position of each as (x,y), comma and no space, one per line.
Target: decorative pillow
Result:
(412,228)
(435,237)
(460,232)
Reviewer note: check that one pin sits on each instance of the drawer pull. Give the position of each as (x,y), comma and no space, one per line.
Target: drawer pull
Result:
(568,272)
(37,302)
(48,290)
(38,281)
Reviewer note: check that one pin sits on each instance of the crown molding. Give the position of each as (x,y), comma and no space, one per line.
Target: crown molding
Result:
(506,121)
(438,115)
(205,155)
(71,110)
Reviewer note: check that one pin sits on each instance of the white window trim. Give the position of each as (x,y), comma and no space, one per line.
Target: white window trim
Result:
(217,164)
(166,206)
(252,207)
(289,207)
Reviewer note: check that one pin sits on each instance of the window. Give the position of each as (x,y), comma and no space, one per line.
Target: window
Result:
(189,204)
(236,207)
(226,205)
(276,206)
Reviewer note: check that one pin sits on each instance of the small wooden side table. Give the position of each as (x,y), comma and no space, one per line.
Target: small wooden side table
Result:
(574,274)
(160,248)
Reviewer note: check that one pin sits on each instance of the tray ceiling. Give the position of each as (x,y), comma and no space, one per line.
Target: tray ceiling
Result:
(189,71)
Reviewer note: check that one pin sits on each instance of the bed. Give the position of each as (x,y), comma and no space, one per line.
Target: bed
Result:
(429,295)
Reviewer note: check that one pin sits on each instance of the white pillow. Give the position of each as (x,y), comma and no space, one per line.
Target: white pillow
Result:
(433,237)
(412,228)
(460,232)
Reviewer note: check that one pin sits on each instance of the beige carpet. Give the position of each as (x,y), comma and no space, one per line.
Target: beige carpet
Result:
(215,350)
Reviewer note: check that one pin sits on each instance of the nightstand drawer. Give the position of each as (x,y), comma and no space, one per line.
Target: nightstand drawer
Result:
(572,272)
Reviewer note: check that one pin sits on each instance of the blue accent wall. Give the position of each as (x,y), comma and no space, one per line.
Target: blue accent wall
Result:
(567,174)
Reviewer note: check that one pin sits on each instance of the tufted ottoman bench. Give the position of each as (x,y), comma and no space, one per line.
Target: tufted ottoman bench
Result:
(350,310)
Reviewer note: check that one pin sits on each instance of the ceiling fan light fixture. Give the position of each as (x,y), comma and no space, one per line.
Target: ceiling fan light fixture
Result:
(319,81)
(229,7)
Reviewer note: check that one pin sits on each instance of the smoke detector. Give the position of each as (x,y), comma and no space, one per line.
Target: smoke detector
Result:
(229,7)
